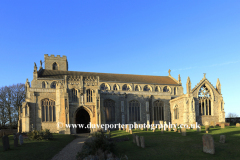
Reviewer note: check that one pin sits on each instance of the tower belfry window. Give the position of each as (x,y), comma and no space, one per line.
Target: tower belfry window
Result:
(55,66)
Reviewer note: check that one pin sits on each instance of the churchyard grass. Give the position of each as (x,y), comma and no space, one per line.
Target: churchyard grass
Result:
(172,145)
(37,150)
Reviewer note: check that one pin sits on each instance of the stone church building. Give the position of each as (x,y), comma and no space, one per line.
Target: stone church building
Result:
(57,97)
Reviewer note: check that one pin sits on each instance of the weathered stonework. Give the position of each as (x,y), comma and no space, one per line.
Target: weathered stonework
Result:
(86,94)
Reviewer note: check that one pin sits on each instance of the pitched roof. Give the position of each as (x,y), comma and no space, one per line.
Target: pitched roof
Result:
(109,77)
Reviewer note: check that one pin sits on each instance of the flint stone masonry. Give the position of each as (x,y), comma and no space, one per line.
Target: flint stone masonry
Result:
(222,138)
(75,92)
(142,141)
(208,144)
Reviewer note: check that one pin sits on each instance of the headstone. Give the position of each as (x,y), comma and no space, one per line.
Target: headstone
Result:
(15,141)
(142,141)
(206,127)
(237,124)
(199,129)
(222,138)
(134,138)
(169,129)
(124,128)
(141,127)
(130,132)
(223,125)
(137,140)
(208,144)
(21,139)
(119,128)
(179,131)
(183,130)
(175,129)
(154,130)
(212,124)
(162,131)
(206,131)
(5,141)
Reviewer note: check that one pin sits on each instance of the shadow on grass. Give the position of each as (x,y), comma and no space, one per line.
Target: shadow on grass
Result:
(37,150)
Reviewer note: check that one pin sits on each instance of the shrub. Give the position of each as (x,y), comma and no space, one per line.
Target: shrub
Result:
(40,135)
(97,142)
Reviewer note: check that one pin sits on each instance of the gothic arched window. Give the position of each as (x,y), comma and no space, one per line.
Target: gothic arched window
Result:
(53,85)
(43,84)
(126,87)
(166,89)
(89,95)
(146,88)
(204,97)
(115,87)
(104,86)
(48,110)
(134,111)
(109,108)
(176,112)
(157,89)
(55,66)
(175,91)
(158,109)
(73,95)
(137,88)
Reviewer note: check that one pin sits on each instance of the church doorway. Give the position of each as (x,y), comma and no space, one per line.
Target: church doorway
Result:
(82,118)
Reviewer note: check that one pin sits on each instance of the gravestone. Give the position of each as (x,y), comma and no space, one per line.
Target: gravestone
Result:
(15,141)
(206,127)
(162,131)
(223,125)
(199,129)
(119,128)
(5,141)
(21,139)
(237,124)
(175,130)
(137,140)
(183,130)
(124,128)
(208,144)
(212,124)
(179,130)
(130,132)
(142,141)
(206,131)
(169,129)
(134,138)
(222,138)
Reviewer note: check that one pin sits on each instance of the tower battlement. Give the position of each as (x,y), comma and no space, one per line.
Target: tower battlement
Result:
(53,62)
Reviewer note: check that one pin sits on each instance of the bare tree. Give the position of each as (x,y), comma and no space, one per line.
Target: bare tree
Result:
(11,98)
(232,115)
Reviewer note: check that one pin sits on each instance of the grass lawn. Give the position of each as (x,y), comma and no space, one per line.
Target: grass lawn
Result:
(35,150)
(172,145)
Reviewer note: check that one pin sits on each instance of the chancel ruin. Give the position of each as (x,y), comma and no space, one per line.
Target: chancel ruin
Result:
(57,97)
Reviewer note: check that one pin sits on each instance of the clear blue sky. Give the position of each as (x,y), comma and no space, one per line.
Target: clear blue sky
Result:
(122,36)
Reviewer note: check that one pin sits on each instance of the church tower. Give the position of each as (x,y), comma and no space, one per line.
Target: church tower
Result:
(56,63)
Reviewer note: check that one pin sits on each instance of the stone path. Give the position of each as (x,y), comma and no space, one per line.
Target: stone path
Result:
(70,151)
